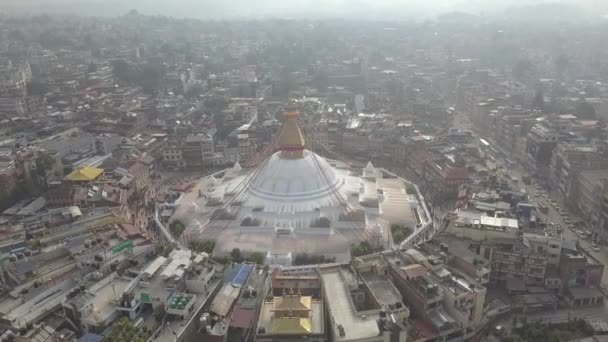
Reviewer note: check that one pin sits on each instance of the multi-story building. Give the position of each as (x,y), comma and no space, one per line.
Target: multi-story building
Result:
(599,216)
(589,187)
(452,302)
(540,143)
(355,142)
(581,277)
(13,88)
(198,150)
(354,312)
(173,156)
(513,261)
(567,162)
(512,124)
(445,175)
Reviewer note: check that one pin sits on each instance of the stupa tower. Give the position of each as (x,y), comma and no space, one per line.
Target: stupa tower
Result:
(291,140)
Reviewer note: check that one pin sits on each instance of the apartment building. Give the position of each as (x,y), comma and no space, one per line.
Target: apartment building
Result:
(540,143)
(567,162)
(513,261)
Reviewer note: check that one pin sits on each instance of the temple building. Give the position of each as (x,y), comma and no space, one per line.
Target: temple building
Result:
(291,317)
(294,201)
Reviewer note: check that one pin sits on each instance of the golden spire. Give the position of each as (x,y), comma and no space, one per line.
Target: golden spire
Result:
(291,140)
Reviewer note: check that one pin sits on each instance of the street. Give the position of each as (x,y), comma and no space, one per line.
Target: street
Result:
(539,195)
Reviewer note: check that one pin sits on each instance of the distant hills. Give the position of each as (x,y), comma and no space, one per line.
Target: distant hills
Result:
(374,9)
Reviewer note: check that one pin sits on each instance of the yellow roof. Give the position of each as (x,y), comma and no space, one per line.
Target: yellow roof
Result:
(288,325)
(87,173)
(292,303)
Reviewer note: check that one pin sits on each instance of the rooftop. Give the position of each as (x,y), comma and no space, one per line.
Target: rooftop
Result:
(383,290)
(314,324)
(84,174)
(355,326)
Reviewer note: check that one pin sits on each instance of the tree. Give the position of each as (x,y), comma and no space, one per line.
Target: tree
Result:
(585,111)
(235,254)
(410,189)
(121,70)
(310,259)
(123,330)
(177,227)
(360,249)
(257,257)
(205,246)
(400,232)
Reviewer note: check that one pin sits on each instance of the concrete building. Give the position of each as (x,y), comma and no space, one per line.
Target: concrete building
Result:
(173,155)
(198,150)
(353,314)
(291,317)
(587,197)
(567,161)
(511,260)
(539,148)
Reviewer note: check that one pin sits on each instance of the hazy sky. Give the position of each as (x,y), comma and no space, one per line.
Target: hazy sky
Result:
(274,8)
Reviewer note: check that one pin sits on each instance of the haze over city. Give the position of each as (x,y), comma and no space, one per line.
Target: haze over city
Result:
(211,9)
(303,170)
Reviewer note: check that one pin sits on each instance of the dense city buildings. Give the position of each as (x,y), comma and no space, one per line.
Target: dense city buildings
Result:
(169,179)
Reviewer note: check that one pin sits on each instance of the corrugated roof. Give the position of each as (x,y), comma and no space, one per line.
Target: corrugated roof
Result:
(82,174)
(414,271)
(289,325)
(222,303)
(242,318)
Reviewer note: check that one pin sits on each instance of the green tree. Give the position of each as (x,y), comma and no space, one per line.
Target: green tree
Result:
(235,255)
(400,232)
(206,246)
(360,249)
(257,257)
(123,330)
(177,227)
(410,189)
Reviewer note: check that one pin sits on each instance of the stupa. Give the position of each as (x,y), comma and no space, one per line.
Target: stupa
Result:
(295,201)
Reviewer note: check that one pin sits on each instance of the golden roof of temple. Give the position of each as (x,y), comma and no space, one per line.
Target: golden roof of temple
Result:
(292,303)
(289,325)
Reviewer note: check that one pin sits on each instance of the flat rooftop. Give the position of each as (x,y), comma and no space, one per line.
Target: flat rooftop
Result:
(343,311)
(106,292)
(384,292)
